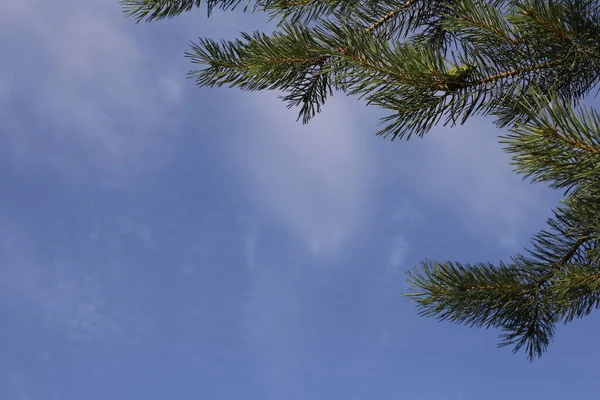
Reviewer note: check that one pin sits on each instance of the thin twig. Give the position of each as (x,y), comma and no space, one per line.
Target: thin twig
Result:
(390,15)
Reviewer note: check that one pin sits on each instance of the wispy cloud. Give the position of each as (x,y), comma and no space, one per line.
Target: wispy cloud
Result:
(405,218)
(398,252)
(138,230)
(249,240)
(406,214)
(465,171)
(19,387)
(272,318)
(54,294)
(391,279)
(271,326)
(82,98)
(470,166)
(86,303)
(315,178)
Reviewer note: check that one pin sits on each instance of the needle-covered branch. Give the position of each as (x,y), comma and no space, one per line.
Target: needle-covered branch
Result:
(524,299)
(559,145)
(559,276)
(151,10)
(528,63)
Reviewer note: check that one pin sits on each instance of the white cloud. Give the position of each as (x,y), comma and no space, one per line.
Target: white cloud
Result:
(172,89)
(272,325)
(88,304)
(466,170)
(314,178)
(89,84)
(318,179)
(19,386)
(4,90)
(406,217)
(490,189)
(398,252)
(406,214)
(57,297)
(272,315)
(249,240)
(141,231)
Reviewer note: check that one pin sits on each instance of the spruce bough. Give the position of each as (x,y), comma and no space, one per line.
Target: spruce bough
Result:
(528,63)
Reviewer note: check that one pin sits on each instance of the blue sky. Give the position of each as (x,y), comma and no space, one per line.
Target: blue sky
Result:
(159,241)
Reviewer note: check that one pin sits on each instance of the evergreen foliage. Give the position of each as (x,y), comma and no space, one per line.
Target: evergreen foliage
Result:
(528,63)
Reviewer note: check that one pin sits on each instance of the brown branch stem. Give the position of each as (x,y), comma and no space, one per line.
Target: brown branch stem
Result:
(389,16)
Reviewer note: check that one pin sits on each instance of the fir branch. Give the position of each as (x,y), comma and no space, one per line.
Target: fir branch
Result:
(363,62)
(492,29)
(558,32)
(295,3)
(527,297)
(525,61)
(557,26)
(151,10)
(307,11)
(514,72)
(558,266)
(483,295)
(573,143)
(475,20)
(376,25)
(557,145)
